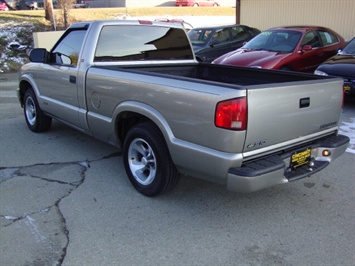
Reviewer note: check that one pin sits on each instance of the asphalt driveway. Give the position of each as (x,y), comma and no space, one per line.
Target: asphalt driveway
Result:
(65,200)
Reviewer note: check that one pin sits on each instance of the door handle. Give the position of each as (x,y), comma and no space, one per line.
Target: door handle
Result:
(72,79)
(305,102)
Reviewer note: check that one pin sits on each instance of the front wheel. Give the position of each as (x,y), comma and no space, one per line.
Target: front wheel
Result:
(147,160)
(285,68)
(36,120)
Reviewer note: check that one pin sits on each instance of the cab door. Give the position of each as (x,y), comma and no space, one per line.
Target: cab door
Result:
(219,44)
(307,60)
(57,80)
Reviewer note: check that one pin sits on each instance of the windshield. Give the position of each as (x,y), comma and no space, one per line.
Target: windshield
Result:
(275,41)
(349,48)
(199,36)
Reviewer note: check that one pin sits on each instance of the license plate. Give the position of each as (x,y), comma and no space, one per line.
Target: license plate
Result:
(300,158)
(346,89)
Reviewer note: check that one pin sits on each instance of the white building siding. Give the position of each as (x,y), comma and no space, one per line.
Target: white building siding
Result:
(337,15)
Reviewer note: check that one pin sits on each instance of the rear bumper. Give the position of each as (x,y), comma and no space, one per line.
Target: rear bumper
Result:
(275,169)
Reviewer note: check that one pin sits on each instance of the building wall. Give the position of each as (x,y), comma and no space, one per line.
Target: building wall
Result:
(46,39)
(338,15)
(106,3)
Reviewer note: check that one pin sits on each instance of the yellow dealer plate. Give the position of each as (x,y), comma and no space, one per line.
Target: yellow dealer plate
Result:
(346,89)
(300,158)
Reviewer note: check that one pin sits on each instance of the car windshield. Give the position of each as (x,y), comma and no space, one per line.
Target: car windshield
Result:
(199,36)
(349,48)
(275,41)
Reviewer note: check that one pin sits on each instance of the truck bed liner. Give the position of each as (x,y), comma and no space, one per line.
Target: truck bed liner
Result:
(241,76)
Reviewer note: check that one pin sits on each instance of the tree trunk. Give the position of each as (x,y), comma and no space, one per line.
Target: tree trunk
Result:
(48,7)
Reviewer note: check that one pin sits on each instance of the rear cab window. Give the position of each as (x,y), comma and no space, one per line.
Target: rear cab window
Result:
(136,42)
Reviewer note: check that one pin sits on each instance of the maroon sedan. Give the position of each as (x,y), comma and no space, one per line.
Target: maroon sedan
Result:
(295,48)
(196,3)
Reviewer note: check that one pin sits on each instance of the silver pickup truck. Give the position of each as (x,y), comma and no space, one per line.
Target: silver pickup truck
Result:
(138,86)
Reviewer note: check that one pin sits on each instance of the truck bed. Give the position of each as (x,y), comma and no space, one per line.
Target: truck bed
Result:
(278,101)
(226,74)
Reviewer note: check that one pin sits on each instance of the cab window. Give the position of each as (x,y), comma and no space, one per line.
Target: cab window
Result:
(220,36)
(136,42)
(66,52)
(238,34)
(311,38)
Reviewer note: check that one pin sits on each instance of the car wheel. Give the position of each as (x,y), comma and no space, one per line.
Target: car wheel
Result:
(195,5)
(147,160)
(36,120)
(285,68)
(215,5)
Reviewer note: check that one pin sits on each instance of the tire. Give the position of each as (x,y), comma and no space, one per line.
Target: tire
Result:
(195,5)
(36,120)
(147,160)
(285,68)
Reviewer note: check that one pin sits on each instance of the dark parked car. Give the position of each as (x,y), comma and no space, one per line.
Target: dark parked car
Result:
(297,48)
(211,42)
(196,3)
(342,65)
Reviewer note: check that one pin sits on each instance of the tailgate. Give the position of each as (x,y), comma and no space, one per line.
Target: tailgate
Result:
(287,113)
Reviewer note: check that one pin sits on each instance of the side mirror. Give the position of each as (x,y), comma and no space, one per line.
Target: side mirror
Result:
(39,55)
(305,48)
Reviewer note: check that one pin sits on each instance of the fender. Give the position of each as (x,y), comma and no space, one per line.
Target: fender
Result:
(27,78)
(146,111)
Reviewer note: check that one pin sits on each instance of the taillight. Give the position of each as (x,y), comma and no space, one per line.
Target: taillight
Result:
(232,114)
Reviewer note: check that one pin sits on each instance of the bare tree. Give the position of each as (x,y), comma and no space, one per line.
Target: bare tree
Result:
(65,6)
(48,8)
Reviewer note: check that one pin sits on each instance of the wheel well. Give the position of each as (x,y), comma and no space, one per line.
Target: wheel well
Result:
(24,86)
(126,121)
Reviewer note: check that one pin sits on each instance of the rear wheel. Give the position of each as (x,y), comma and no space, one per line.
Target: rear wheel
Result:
(36,120)
(147,160)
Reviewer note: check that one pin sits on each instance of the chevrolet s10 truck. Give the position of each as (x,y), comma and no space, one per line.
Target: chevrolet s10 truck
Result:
(137,85)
